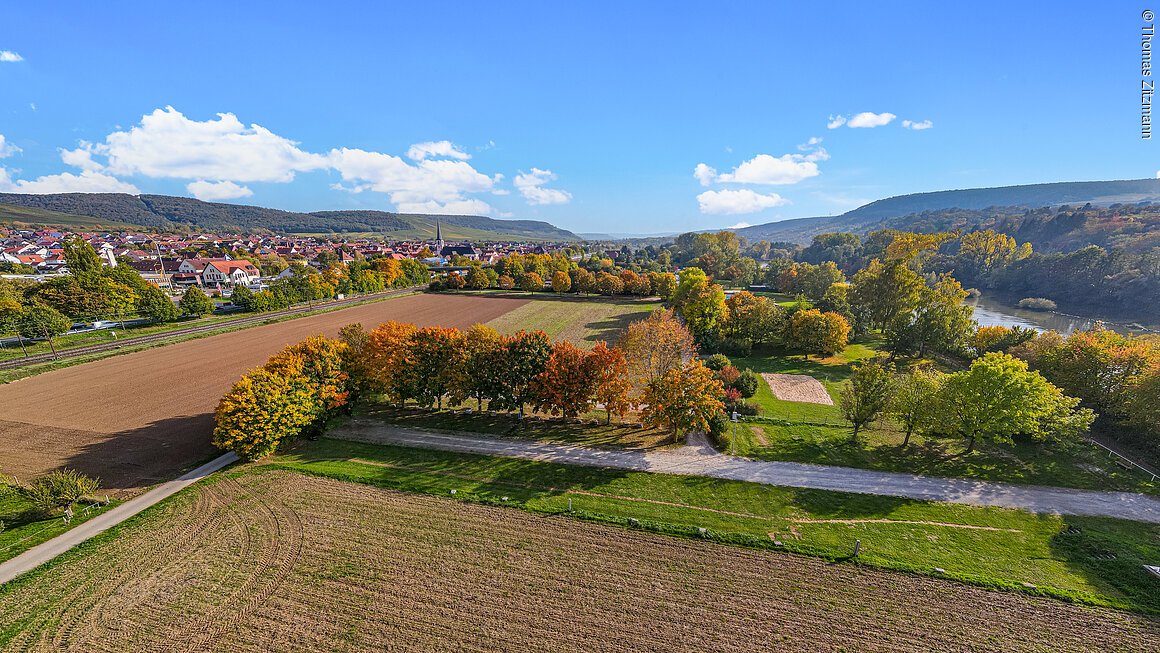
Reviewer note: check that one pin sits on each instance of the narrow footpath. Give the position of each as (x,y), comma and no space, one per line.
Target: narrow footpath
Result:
(42,553)
(700,459)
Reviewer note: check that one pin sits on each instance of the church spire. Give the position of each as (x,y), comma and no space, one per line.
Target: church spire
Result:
(438,239)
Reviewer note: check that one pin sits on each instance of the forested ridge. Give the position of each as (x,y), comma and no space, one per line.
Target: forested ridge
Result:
(169,213)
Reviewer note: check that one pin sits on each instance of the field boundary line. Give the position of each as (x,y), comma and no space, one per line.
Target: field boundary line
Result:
(46,551)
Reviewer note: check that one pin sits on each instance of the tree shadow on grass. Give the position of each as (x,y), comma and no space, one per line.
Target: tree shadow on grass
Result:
(1111,555)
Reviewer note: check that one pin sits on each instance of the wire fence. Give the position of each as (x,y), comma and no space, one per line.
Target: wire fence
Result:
(1123,460)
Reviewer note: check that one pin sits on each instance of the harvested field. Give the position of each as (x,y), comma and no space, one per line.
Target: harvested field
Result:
(280,561)
(581,321)
(138,419)
(798,387)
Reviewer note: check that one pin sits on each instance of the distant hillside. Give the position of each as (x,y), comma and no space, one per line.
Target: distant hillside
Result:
(885,212)
(168,213)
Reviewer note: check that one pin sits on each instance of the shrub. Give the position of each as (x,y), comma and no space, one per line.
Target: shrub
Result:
(719,430)
(747,383)
(59,489)
(1036,304)
(716,362)
(728,375)
(740,347)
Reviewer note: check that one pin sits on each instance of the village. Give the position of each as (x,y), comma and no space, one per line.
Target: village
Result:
(221,262)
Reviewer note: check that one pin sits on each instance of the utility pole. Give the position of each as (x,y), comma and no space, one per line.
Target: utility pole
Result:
(733,442)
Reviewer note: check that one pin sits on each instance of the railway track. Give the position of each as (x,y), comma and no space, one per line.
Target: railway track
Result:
(255,319)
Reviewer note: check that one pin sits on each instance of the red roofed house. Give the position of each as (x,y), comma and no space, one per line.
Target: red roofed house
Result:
(230,272)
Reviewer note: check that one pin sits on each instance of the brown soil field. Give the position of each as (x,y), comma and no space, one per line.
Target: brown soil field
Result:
(138,419)
(277,561)
(798,387)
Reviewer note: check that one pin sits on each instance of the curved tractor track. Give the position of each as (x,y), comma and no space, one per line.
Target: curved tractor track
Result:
(259,318)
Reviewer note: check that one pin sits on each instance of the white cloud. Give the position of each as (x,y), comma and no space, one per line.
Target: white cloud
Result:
(66,182)
(740,225)
(705,174)
(868,119)
(810,144)
(917,125)
(434,185)
(430,149)
(166,144)
(469,206)
(8,56)
(7,149)
(531,187)
(737,201)
(767,169)
(217,190)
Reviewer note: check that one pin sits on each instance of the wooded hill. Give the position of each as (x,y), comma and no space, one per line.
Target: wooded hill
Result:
(967,209)
(117,211)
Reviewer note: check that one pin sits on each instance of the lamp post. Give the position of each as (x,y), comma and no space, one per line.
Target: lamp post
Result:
(733,442)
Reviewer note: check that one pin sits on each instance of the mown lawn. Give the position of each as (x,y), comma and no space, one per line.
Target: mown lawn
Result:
(1089,560)
(581,321)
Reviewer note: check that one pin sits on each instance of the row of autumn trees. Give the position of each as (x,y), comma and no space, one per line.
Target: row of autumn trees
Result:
(653,368)
(575,280)
(306,284)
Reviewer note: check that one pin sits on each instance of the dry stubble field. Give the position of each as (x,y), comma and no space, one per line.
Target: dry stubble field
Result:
(274,560)
(138,419)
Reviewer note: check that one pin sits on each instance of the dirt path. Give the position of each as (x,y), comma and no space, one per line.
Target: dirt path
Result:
(142,418)
(798,387)
(701,460)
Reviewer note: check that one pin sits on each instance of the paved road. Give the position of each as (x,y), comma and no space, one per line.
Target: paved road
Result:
(42,553)
(699,459)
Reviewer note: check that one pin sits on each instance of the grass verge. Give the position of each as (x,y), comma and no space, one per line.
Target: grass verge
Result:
(24,527)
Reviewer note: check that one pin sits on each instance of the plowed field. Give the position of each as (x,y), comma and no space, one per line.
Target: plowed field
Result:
(137,419)
(277,561)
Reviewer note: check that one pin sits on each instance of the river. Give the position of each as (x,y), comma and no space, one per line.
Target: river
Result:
(991,312)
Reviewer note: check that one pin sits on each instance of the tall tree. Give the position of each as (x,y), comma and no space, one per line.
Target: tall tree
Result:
(655,345)
(561,282)
(82,259)
(914,404)
(866,395)
(999,398)
(194,303)
(435,360)
(42,321)
(388,359)
(814,332)
(701,302)
(567,384)
(683,399)
(154,304)
(611,380)
(525,355)
(482,347)
(881,292)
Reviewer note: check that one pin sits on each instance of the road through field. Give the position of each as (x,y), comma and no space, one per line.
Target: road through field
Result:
(702,460)
(142,418)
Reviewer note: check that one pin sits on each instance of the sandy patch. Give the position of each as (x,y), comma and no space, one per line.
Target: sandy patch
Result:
(798,387)
(759,435)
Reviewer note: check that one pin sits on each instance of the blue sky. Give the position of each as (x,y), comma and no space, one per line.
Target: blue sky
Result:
(596,117)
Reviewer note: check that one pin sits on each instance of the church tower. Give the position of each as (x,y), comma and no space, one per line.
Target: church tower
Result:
(438,239)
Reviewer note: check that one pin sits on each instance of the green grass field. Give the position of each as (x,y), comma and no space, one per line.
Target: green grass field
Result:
(581,321)
(816,433)
(1089,560)
(24,528)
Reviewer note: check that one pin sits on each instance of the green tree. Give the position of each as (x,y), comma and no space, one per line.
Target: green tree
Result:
(42,321)
(701,302)
(814,332)
(915,401)
(881,292)
(195,303)
(524,357)
(82,259)
(477,279)
(866,396)
(154,304)
(999,398)
(940,320)
(243,297)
